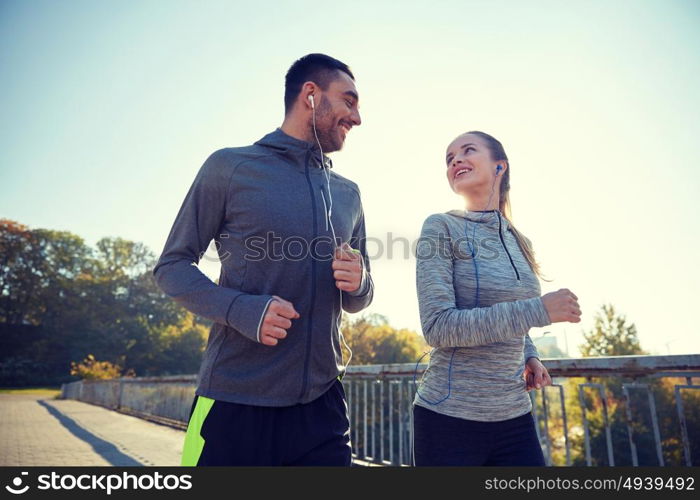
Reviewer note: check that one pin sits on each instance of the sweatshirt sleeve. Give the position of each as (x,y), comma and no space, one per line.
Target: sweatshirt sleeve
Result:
(198,222)
(444,325)
(530,348)
(362,297)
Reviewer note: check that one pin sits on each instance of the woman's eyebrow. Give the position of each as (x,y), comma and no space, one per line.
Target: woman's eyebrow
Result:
(463,146)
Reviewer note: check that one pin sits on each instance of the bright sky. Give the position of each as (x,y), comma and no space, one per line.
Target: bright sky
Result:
(110,108)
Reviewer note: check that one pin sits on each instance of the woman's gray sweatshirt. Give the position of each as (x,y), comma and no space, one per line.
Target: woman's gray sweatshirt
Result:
(476,369)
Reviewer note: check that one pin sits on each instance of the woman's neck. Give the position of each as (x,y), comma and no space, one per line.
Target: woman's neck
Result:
(480,203)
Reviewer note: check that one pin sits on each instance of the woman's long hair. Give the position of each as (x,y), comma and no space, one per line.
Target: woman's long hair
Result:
(498,153)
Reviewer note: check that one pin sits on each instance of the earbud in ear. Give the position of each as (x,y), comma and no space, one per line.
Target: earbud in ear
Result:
(311,98)
(498,169)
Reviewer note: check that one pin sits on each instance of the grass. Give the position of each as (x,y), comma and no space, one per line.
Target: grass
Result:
(41,391)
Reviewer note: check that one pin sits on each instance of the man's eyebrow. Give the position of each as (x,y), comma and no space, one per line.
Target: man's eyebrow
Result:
(352,94)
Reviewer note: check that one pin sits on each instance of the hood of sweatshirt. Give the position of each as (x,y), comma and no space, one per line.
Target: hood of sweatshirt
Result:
(294,149)
(489,219)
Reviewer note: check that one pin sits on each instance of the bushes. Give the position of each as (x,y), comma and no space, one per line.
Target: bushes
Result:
(91,369)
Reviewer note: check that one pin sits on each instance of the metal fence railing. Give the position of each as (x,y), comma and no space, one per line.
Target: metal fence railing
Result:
(380,398)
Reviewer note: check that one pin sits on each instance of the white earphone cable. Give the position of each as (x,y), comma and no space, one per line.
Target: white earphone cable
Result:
(327,175)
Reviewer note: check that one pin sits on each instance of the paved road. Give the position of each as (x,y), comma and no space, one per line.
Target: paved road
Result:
(37,430)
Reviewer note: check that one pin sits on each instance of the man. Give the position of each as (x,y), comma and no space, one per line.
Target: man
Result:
(290,234)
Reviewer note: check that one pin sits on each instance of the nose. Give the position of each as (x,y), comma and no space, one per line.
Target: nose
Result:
(355,118)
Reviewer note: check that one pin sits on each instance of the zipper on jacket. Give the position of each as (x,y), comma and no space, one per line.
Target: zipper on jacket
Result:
(305,382)
(325,207)
(500,235)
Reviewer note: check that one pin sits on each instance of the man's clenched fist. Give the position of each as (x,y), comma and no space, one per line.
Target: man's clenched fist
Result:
(277,320)
(347,268)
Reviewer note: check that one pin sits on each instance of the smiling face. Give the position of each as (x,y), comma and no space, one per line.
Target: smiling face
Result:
(470,167)
(337,112)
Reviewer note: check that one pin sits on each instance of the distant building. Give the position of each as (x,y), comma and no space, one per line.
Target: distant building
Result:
(547,347)
(546,341)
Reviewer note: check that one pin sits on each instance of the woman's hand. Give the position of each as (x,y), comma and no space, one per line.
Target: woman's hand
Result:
(536,375)
(562,305)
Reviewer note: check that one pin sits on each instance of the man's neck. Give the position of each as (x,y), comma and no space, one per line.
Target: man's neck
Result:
(296,130)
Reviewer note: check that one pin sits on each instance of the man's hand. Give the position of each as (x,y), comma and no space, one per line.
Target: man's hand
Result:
(278,318)
(347,268)
(536,375)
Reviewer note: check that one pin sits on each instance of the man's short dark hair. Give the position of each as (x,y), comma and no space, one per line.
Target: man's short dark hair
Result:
(318,68)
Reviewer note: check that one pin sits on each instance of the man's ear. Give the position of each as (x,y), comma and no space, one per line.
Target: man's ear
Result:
(307,90)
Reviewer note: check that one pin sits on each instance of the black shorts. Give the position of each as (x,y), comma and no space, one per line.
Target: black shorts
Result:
(315,433)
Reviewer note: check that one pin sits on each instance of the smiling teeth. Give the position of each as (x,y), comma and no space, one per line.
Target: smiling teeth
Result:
(462,171)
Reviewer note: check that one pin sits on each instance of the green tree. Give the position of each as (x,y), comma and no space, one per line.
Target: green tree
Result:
(611,335)
(61,300)
(36,266)
(374,341)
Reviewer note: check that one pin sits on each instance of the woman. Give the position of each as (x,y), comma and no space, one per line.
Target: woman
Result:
(479,295)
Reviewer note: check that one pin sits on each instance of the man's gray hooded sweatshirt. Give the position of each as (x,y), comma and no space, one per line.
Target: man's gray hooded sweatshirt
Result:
(265,206)
(476,369)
